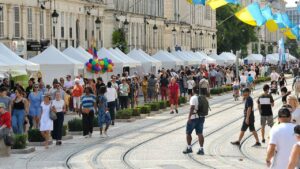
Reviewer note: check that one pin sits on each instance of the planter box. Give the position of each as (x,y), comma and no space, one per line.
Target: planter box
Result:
(125,120)
(27,150)
(75,133)
(67,137)
(39,143)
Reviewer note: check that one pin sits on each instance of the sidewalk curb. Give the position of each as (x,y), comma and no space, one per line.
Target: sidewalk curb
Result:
(27,150)
(67,137)
(35,144)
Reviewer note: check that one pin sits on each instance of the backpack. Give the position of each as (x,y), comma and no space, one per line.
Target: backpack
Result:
(297,84)
(203,106)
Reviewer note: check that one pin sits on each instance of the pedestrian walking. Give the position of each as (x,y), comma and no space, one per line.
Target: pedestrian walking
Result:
(195,122)
(265,103)
(76,94)
(136,89)
(111,95)
(204,85)
(124,90)
(191,84)
(145,88)
(296,85)
(58,106)
(249,119)
(151,87)
(164,82)
(19,110)
(295,109)
(46,124)
(102,108)
(35,99)
(294,161)
(281,141)
(174,94)
(88,107)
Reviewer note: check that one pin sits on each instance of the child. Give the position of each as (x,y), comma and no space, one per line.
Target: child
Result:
(107,121)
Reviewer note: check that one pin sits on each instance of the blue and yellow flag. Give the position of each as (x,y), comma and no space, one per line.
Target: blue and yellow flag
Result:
(214,4)
(270,24)
(197,2)
(251,15)
(292,33)
(279,20)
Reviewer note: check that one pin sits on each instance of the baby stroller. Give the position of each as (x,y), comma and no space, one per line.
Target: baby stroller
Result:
(274,87)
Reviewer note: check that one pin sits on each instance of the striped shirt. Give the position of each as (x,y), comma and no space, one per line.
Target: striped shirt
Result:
(88,101)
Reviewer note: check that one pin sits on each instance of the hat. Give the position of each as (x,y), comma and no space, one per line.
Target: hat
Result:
(284,113)
(2,105)
(246,90)
(47,95)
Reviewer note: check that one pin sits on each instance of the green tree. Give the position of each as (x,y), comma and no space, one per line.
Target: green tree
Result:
(119,40)
(232,33)
(292,45)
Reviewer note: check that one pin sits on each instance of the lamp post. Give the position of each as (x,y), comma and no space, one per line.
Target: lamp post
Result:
(98,27)
(201,44)
(196,41)
(54,17)
(155,34)
(126,25)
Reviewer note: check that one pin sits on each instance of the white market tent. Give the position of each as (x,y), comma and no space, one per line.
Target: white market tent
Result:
(219,59)
(207,59)
(149,64)
(76,55)
(196,60)
(84,52)
(254,58)
(123,55)
(55,64)
(13,59)
(290,57)
(272,58)
(230,57)
(167,61)
(182,56)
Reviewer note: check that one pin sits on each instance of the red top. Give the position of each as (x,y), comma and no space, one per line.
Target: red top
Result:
(77,91)
(173,89)
(5,119)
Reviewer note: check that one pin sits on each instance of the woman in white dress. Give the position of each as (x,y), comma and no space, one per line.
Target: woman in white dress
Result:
(46,124)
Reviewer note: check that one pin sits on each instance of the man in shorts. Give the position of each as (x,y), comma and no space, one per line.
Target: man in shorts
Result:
(248,121)
(265,103)
(194,123)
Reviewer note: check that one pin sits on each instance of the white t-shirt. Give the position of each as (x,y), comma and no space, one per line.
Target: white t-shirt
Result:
(58,105)
(69,84)
(194,102)
(296,116)
(283,137)
(274,76)
(243,79)
(111,94)
(191,84)
(252,73)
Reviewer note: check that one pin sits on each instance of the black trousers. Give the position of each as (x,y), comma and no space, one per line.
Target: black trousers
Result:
(111,107)
(58,126)
(124,102)
(87,122)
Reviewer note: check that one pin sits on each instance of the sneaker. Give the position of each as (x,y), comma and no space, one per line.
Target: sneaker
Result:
(200,152)
(263,141)
(256,144)
(187,151)
(172,112)
(176,111)
(236,143)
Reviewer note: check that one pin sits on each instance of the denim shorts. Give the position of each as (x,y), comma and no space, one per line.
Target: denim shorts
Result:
(195,124)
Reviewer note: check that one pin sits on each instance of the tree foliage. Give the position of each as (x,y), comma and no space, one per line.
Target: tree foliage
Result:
(232,33)
(292,45)
(119,40)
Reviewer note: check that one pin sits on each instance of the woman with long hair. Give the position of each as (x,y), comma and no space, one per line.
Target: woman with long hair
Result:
(46,124)
(111,95)
(35,99)
(293,102)
(19,109)
(59,107)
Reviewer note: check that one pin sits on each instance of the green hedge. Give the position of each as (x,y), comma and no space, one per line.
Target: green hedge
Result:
(162,104)
(153,106)
(20,141)
(65,129)
(145,109)
(95,122)
(124,114)
(34,135)
(182,100)
(136,111)
(75,125)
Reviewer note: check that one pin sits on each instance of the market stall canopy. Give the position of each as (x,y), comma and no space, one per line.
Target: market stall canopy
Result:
(10,56)
(168,61)
(84,52)
(219,59)
(55,64)
(272,58)
(76,55)
(125,58)
(290,57)
(183,57)
(230,57)
(196,57)
(254,58)
(149,64)
(207,59)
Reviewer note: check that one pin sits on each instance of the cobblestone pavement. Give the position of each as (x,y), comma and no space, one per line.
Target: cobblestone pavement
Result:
(156,142)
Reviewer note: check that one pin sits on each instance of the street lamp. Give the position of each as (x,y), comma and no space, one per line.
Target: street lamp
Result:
(54,16)
(155,28)
(213,36)
(174,31)
(98,23)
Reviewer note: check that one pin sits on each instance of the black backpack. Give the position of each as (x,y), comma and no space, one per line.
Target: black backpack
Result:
(203,106)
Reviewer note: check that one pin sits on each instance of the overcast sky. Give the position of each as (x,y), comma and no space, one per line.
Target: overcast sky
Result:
(291,3)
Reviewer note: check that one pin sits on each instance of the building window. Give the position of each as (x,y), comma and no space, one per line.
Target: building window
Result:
(70,32)
(29,22)
(86,34)
(207,13)
(53,32)
(16,22)
(62,19)
(62,31)
(42,25)
(1,23)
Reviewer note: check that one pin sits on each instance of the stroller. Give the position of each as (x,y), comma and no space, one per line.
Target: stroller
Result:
(274,87)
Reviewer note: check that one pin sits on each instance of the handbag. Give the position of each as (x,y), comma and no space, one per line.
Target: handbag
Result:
(52,114)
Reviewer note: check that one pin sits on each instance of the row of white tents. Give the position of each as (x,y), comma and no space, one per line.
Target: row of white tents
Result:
(53,63)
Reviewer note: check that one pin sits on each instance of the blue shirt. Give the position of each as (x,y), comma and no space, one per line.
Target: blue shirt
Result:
(88,101)
(250,79)
(248,104)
